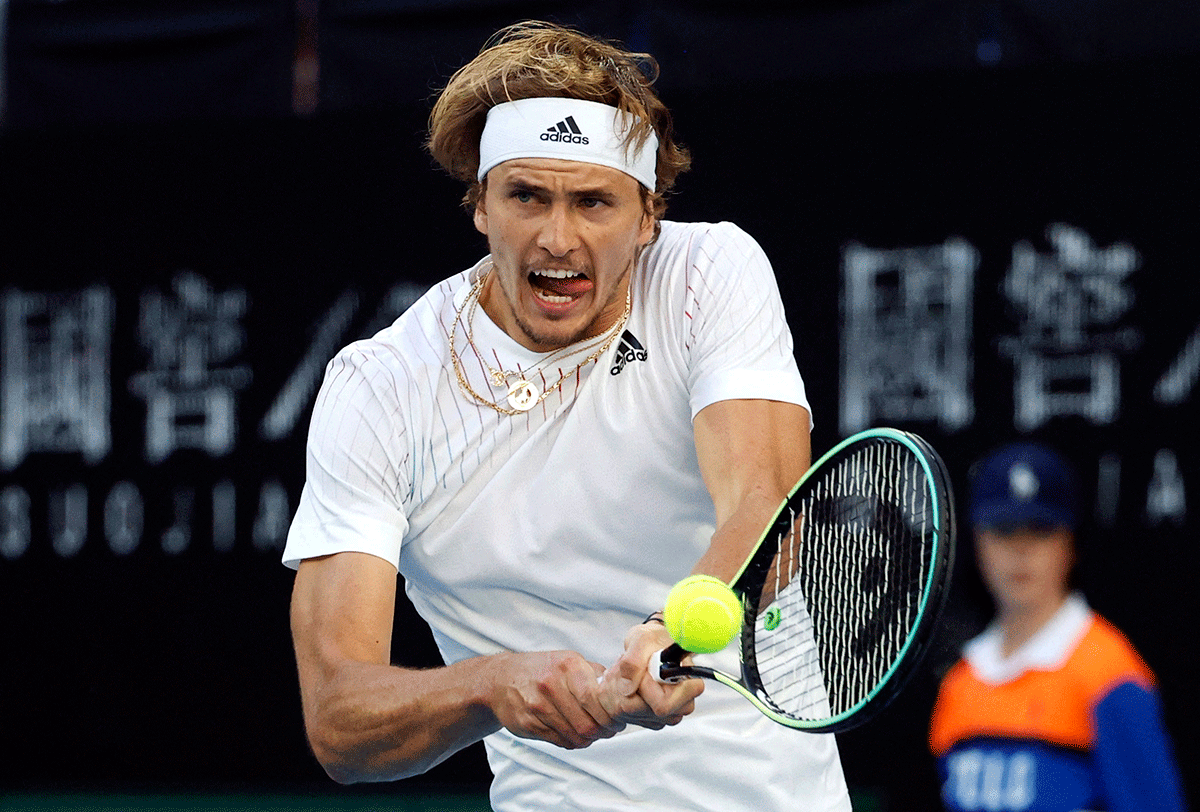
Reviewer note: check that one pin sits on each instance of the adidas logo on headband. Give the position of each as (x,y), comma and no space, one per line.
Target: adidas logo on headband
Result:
(566,131)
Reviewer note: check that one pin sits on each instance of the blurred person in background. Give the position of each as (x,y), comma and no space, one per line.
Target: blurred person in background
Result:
(1050,708)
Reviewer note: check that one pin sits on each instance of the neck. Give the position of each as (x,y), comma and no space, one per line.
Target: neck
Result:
(1020,623)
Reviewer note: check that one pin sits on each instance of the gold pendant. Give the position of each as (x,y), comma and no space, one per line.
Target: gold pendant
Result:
(522,395)
(498,377)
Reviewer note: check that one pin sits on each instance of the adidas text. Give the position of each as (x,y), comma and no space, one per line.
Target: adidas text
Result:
(565,137)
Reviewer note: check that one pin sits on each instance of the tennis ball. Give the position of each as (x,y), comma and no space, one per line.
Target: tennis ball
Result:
(702,614)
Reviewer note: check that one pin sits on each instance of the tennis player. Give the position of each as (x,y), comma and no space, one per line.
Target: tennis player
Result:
(542,446)
(1051,708)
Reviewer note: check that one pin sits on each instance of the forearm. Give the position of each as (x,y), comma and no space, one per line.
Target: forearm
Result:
(735,537)
(369,722)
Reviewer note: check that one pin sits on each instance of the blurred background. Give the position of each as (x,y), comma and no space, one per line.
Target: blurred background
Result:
(982,214)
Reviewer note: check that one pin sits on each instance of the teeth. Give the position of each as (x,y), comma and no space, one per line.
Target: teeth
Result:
(549,297)
(554,273)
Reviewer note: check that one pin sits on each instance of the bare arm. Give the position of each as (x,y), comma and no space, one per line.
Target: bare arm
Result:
(751,453)
(368,720)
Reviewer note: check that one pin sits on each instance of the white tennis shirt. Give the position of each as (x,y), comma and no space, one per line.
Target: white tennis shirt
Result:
(561,527)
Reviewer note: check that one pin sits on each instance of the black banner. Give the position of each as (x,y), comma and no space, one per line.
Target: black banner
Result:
(92,61)
(974,255)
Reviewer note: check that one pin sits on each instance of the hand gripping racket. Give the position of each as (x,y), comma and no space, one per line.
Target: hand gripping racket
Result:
(843,591)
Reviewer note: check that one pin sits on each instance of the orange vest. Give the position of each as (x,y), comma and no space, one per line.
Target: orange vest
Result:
(1051,706)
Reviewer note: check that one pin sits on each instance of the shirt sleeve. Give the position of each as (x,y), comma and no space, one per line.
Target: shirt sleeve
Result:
(352,497)
(1133,757)
(740,343)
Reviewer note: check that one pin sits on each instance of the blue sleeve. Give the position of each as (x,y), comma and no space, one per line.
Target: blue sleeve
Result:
(1134,762)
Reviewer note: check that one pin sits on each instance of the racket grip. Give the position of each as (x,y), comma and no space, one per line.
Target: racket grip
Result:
(665,667)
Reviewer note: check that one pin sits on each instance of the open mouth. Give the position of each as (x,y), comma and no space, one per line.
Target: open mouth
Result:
(555,286)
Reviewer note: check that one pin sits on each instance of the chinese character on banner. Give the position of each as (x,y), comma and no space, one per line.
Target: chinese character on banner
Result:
(55,350)
(191,397)
(906,335)
(1179,381)
(296,397)
(1069,304)
(1166,497)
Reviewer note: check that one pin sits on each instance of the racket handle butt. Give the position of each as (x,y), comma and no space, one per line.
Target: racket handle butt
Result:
(664,665)
(655,666)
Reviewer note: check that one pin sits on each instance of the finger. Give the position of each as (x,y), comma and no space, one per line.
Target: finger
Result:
(551,711)
(670,699)
(544,721)
(576,700)
(573,723)
(631,668)
(536,730)
(586,686)
(625,674)
(620,703)
(635,710)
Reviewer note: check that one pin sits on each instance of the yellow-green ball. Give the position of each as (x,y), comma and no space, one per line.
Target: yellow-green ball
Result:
(702,614)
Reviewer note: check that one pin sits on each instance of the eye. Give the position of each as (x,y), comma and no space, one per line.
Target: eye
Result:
(522,196)
(592,202)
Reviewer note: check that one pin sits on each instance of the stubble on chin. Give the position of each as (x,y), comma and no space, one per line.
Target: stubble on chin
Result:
(546,340)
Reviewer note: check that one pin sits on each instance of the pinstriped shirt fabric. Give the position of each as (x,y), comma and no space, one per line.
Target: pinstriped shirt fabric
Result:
(559,528)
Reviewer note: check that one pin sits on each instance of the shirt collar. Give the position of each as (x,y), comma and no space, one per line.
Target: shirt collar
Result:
(1048,649)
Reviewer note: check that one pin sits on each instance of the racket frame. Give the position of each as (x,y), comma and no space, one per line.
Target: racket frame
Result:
(749,580)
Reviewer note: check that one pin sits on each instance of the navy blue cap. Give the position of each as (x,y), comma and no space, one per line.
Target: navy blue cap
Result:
(1021,484)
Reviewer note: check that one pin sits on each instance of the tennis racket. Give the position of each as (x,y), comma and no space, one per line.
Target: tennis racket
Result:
(843,591)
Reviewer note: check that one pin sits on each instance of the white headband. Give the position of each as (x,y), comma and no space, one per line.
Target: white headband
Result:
(570,129)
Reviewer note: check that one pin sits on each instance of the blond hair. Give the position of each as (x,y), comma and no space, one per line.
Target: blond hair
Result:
(535,59)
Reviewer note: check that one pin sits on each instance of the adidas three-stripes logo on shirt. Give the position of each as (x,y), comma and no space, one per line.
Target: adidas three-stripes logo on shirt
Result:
(629,349)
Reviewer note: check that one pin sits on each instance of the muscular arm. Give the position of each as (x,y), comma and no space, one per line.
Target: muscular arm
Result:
(368,720)
(751,453)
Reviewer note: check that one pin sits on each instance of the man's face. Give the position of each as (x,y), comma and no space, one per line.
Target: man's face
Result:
(563,236)
(1025,568)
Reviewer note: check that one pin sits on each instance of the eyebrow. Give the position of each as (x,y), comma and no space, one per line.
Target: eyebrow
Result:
(599,192)
(607,195)
(515,185)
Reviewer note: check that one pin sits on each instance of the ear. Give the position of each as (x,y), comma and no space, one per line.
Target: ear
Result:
(481,219)
(478,192)
(648,227)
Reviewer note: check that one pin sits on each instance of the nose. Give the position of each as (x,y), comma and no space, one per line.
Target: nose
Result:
(558,235)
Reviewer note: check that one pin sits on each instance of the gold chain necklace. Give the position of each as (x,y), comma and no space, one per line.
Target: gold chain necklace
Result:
(522,395)
(499,377)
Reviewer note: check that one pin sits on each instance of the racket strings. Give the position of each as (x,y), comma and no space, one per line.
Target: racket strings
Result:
(787,655)
(846,582)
